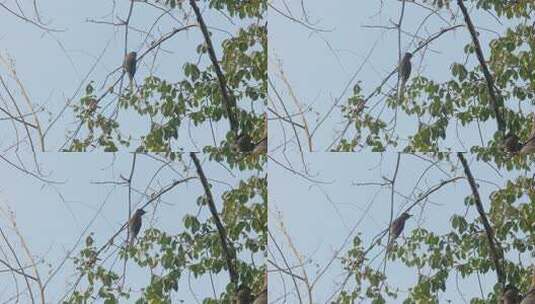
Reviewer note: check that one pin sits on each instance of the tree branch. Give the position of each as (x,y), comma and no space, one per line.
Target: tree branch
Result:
(17,271)
(488,229)
(227,251)
(488,77)
(228,101)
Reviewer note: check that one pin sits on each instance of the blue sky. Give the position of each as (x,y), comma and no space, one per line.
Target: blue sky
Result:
(51,217)
(319,215)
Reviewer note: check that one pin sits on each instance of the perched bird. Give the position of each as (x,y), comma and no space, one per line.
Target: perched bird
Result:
(404,70)
(129,66)
(529,146)
(396,228)
(134,224)
(530,296)
(511,295)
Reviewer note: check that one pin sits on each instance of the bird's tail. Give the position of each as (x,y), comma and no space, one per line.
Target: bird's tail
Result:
(131,84)
(131,242)
(389,245)
(401,90)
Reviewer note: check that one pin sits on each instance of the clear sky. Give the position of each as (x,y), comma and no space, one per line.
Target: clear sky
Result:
(319,215)
(55,67)
(319,64)
(52,217)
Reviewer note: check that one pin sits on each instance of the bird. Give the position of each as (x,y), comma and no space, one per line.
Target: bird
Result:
(129,66)
(529,146)
(530,296)
(404,72)
(134,224)
(511,295)
(396,228)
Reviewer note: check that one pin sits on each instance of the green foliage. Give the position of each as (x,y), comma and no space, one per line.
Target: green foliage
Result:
(100,281)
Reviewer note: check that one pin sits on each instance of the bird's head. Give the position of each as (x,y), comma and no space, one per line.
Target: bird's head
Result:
(408,55)
(405,215)
(133,55)
(140,212)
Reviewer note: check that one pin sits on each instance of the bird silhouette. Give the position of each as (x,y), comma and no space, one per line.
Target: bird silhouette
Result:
(404,70)
(129,66)
(134,224)
(396,228)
